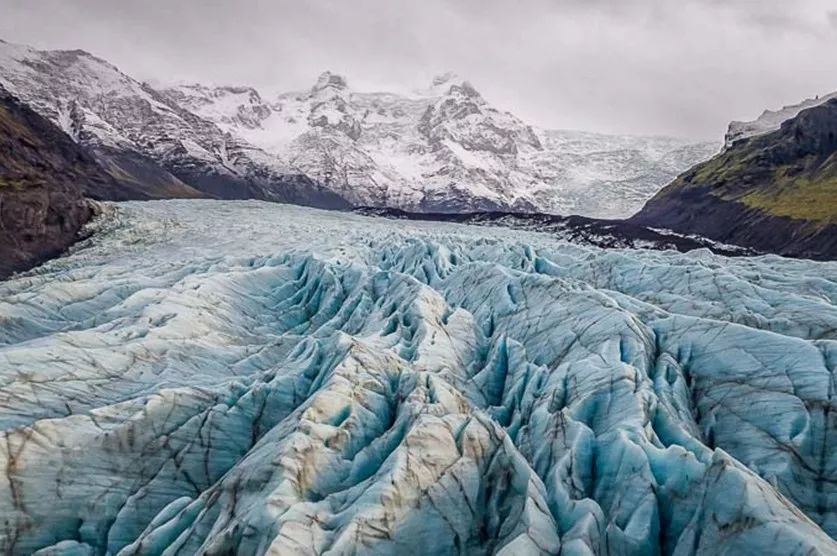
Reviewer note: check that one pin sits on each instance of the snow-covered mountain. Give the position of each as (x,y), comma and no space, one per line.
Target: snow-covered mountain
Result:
(771,120)
(154,146)
(281,380)
(442,148)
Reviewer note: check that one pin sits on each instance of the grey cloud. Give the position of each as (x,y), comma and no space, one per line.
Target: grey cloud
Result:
(627,66)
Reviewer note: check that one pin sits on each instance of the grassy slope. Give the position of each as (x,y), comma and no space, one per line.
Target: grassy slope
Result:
(809,194)
(761,176)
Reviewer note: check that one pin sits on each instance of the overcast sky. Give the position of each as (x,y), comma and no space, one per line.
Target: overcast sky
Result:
(676,67)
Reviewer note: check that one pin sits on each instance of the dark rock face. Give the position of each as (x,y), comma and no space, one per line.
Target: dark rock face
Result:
(151,145)
(38,223)
(139,178)
(775,192)
(579,229)
(44,177)
(292,189)
(698,211)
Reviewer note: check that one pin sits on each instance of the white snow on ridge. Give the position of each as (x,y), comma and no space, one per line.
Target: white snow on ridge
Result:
(771,120)
(106,110)
(440,149)
(446,148)
(253,378)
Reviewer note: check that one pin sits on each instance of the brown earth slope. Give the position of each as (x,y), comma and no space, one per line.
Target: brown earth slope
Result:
(44,178)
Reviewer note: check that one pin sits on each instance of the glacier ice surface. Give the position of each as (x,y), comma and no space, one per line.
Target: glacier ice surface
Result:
(252,378)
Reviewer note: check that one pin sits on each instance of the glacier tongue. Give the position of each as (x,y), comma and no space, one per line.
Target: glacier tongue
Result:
(242,377)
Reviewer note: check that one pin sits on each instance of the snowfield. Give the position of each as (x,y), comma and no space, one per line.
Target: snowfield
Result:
(443,148)
(251,378)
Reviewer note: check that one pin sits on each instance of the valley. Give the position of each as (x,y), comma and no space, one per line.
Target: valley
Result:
(341,319)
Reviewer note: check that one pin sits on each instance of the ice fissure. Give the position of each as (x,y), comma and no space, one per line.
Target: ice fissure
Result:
(249,378)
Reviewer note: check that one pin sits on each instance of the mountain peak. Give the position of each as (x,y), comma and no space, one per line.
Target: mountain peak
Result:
(466,89)
(328,79)
(771,120)
(448,82)
(447,78)
(79,54)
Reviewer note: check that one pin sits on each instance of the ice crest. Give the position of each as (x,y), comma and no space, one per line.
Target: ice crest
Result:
(252,378)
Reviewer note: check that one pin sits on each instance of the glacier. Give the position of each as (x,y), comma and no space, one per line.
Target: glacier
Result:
(207,377)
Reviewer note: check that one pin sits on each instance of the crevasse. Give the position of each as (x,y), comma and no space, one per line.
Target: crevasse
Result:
(212,377)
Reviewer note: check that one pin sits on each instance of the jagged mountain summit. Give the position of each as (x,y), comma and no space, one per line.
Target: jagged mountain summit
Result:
(443,148)
(207,377)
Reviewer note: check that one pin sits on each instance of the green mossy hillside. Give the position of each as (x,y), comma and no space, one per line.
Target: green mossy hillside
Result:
(791,172)
(775,192)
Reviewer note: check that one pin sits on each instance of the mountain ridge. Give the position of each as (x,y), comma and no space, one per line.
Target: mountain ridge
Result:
(455,152)
(771,120)
(140,134)
(441,149)
(774,192)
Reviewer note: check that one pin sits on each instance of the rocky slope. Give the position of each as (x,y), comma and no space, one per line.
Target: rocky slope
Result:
(254,378)
(771,120)
(442,149)
(775,192)
(155,148)
(580,230)
(44,177)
